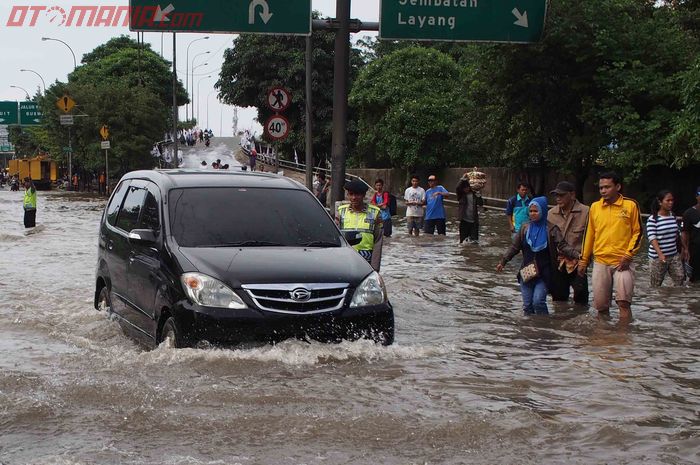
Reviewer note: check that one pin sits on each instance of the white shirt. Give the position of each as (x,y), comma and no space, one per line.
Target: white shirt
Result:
(414,194)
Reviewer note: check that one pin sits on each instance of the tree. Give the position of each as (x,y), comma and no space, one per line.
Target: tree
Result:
(257,63)
(121,84)
(600,87)
(406,103)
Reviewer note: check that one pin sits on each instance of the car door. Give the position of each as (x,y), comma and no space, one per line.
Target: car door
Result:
(144,264)
(111,247)
(127,220)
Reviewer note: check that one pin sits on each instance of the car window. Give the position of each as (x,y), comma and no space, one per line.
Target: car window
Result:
(149,216)
(249,217)
(116,202)
(129,213)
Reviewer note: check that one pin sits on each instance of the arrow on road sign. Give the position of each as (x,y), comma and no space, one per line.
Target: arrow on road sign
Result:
(522,18)
(265,15)
(161,16)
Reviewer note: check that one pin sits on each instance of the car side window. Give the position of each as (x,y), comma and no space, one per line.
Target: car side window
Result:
(116,202)
(150,218)
(129,213)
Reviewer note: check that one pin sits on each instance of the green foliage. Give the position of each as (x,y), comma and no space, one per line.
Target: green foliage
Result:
(123,85)
(256,63)
(406,103)
(602,86)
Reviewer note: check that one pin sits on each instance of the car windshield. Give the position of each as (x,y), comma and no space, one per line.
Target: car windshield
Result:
(249,217)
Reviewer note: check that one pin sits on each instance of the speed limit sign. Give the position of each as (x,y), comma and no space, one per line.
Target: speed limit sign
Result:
(277,127)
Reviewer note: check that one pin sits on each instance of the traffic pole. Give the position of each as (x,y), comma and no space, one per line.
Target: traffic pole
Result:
(70,162)
(340,100)
(309,116)
(107,172)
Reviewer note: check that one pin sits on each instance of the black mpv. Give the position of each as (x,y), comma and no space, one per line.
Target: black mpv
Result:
(229,257)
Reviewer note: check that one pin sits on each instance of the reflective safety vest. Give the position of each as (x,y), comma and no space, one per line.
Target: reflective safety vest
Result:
(30,199)
(362,222)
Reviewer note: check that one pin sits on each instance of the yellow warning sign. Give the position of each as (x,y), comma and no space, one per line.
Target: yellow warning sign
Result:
(65,103)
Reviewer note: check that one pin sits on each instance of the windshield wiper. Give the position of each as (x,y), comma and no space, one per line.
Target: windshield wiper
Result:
(245,244)
(320,244)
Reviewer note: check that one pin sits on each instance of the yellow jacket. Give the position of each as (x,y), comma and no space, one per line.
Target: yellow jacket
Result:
(614,231)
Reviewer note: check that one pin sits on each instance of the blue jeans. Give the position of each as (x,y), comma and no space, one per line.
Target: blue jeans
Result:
(534,297)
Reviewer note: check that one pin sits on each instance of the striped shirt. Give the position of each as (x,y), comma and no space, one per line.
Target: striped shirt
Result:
(665,230)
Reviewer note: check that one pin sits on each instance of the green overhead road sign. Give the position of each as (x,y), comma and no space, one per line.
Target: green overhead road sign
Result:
(8,113)
(29,114)
(516,21)
(292,17)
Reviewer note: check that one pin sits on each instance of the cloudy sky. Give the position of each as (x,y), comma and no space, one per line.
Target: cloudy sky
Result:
(22,48)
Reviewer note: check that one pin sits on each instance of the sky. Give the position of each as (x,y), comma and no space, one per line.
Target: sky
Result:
(22,48)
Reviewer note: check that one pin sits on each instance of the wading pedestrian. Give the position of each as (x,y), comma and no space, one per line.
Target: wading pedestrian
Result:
(535,271)
(415,199)
(567,223)
(29,203)
(468,211)
(663,234)
(435,208)
(516,209)
(612,239)
(381,199)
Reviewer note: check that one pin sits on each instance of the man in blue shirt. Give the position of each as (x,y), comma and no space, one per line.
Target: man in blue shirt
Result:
(435,210)
(517,209)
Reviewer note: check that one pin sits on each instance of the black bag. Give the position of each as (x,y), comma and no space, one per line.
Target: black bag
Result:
(392,204)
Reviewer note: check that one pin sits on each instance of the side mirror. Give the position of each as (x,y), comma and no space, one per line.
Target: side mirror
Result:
(142,236)
(353,237)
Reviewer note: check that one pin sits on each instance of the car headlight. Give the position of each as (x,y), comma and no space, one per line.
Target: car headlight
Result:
(209,292)
(371,292)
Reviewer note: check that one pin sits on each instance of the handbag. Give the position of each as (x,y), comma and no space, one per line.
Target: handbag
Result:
(529,272)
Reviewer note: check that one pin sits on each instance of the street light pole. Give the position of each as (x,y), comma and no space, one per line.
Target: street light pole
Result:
(25,91)
(187,74)
(75,62)
(192,68)
(198,83)
(194,96)
(209,95)
(43,83)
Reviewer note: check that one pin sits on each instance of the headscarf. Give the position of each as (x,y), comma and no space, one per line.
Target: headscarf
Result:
(536,235)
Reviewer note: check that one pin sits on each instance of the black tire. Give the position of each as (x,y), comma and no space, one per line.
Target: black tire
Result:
(172,330)
(104,301)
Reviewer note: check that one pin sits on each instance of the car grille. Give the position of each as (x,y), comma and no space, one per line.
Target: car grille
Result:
(298,299)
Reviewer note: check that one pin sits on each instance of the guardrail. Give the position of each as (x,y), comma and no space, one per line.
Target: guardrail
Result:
(269,158)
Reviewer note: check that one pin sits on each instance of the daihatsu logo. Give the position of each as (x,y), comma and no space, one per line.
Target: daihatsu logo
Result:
(300,294)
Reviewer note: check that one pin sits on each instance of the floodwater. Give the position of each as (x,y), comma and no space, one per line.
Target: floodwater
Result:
(469,380)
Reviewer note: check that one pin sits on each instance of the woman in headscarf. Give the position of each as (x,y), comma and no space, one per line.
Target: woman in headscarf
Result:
(535,271)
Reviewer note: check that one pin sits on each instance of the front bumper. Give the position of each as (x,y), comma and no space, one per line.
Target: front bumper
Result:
(219,325)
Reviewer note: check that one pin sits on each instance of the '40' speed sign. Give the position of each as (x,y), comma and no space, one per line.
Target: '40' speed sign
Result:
(277,127)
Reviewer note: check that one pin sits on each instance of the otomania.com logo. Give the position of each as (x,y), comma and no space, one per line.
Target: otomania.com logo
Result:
(151,17)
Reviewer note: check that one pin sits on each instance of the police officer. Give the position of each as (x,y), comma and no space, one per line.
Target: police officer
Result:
(363,218)
(29,203)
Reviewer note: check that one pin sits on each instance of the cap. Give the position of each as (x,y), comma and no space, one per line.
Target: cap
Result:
(564,187)
(432,178)
(356,186)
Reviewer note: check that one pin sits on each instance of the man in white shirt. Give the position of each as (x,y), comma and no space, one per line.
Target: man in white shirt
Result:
(415,199)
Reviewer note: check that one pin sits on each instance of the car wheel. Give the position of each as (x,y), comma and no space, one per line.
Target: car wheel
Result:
(172,334)
(104,301)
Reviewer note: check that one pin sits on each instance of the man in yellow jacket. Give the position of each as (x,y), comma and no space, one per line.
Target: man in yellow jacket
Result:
(613,237)
(360,218)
